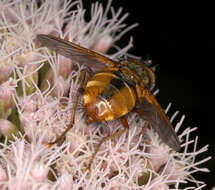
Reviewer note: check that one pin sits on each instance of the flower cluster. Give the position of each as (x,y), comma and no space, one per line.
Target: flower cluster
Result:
(37,93)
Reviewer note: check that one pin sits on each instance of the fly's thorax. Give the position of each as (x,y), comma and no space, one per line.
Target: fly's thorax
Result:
(107,97)
(138,73)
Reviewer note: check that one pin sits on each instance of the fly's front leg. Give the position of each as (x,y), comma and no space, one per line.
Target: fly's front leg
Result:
(80,91)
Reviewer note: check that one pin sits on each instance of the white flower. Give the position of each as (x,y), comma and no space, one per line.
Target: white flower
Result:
(27,165)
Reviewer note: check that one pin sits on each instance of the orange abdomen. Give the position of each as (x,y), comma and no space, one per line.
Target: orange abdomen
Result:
(107,97)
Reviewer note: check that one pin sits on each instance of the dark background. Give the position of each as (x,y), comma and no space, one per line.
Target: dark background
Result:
(181,38)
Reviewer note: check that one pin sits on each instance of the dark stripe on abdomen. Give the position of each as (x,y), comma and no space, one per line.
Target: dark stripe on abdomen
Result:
(113,87)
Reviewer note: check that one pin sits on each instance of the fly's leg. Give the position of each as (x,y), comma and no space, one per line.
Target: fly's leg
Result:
(140,113)
(117,133)
(80,91)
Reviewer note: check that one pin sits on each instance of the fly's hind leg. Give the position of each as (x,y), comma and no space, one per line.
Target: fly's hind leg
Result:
(80,91)
(117,133)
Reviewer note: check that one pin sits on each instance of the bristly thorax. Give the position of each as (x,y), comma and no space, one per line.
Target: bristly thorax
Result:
(138,72)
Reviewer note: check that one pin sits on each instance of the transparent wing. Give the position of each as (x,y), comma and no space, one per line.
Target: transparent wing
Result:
(154,114)
(93,60)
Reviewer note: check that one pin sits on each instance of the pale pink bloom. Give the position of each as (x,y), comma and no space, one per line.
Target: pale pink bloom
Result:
(27,165)
(45,116)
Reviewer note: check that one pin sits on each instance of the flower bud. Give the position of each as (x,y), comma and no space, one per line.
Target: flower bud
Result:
(39,172)
(65,182)
(7,89)
(5,71)
(103,44)
(8,129)
(3,176)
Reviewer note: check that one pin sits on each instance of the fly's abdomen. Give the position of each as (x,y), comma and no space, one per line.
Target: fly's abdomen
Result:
(108,97)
